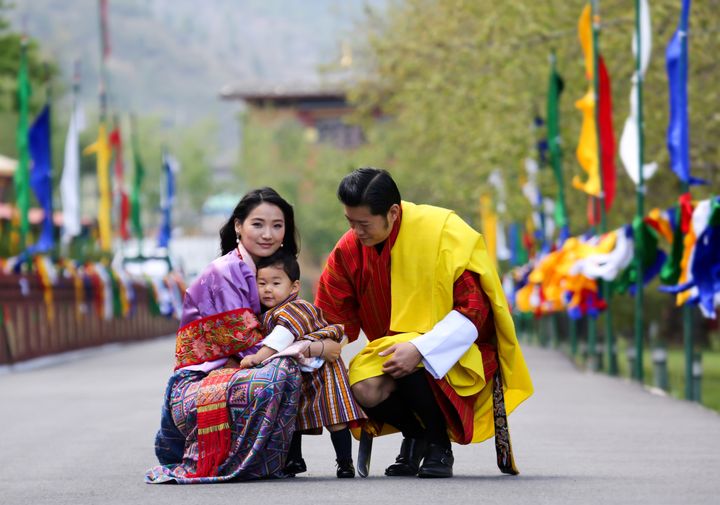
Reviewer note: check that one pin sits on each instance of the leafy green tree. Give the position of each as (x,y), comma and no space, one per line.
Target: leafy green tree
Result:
(463,81)
(40,70)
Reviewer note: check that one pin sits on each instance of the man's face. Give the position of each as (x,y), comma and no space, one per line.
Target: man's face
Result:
(371,229)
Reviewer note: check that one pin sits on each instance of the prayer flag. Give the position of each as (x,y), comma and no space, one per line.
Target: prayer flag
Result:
(629,142)
(70,182)
(135,209)
(678,133)
(607,134)
(121,195)
(101,149)
(41,177)
(170,167)
(555,89)
(595,164)
(488,220)
(22,173)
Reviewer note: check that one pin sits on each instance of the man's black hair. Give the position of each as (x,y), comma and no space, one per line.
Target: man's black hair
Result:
(281,259)
(369,186)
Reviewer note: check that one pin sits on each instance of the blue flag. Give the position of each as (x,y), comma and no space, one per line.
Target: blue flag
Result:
(41,177)
(170,167)
(678,133)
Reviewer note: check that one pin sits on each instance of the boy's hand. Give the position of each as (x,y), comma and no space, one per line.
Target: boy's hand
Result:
(331,350)
(249,361)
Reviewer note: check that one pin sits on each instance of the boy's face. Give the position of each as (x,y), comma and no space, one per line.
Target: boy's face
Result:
(274,285)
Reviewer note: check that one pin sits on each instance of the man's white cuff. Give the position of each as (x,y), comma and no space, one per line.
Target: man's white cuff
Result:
(445,344)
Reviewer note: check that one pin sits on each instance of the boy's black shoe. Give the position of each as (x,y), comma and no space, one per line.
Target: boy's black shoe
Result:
(438,462)
(345,469)
(408,461)
(295,466)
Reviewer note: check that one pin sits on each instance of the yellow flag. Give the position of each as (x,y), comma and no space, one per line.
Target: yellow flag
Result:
(587,150)
(488,223)
(101,149)
(585,35)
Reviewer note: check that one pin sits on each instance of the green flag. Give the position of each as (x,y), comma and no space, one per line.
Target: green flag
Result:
(22,174)
(555,88)
(646,248)
(135,209)
(670,273)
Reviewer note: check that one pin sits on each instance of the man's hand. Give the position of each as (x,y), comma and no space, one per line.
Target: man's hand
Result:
(405,358)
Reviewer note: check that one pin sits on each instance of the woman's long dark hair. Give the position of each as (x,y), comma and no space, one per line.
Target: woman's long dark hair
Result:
(228,237)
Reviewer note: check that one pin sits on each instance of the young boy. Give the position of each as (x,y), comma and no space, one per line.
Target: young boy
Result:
(295,326)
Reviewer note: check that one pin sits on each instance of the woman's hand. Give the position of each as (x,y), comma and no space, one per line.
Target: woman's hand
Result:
(232,362)
(331,350)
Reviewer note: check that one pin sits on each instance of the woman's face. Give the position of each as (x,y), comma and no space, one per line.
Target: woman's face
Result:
(263,230)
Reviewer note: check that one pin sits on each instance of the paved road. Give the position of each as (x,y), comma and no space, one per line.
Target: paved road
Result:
(81,432)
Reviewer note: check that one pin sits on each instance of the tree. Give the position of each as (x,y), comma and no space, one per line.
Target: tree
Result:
(463,80)
(40,70)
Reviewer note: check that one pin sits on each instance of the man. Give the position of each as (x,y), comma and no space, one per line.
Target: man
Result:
(418,281)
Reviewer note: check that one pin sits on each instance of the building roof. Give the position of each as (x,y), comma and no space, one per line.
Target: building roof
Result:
(283,93)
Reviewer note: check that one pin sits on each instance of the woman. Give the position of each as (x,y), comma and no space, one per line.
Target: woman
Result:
(220,422)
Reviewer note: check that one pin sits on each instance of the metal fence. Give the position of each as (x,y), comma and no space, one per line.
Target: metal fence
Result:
(27,332)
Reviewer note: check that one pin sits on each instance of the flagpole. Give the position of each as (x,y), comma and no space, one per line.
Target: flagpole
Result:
(105,204)
(640,197)
(592,321)
(688,334)
(554,144)
(77,79)
(102,5)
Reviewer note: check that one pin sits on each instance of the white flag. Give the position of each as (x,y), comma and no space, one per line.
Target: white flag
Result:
(496,180)
(70,182)
(629,142)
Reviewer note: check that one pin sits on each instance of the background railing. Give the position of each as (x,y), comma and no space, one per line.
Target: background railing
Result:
(26,331)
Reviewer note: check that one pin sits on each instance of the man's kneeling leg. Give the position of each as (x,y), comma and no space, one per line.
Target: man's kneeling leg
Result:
(395,411)
(438,458)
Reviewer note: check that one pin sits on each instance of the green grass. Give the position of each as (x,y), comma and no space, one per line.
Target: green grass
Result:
(710,382)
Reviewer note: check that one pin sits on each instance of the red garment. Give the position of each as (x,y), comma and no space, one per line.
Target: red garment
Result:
(354,290)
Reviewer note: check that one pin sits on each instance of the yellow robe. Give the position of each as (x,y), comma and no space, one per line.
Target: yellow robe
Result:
(433,248)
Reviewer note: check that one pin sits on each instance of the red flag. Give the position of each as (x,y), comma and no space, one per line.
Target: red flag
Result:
(121,194)
(607,134)
(593,211)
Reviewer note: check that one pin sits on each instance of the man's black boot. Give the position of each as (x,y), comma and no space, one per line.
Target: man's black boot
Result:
(408,461)
(438,462)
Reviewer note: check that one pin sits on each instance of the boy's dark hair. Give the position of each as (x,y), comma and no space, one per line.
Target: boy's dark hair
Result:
(283,259)
(369,186)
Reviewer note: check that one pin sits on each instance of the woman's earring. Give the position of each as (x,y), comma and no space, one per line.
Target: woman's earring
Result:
(237,239)
(281,244)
